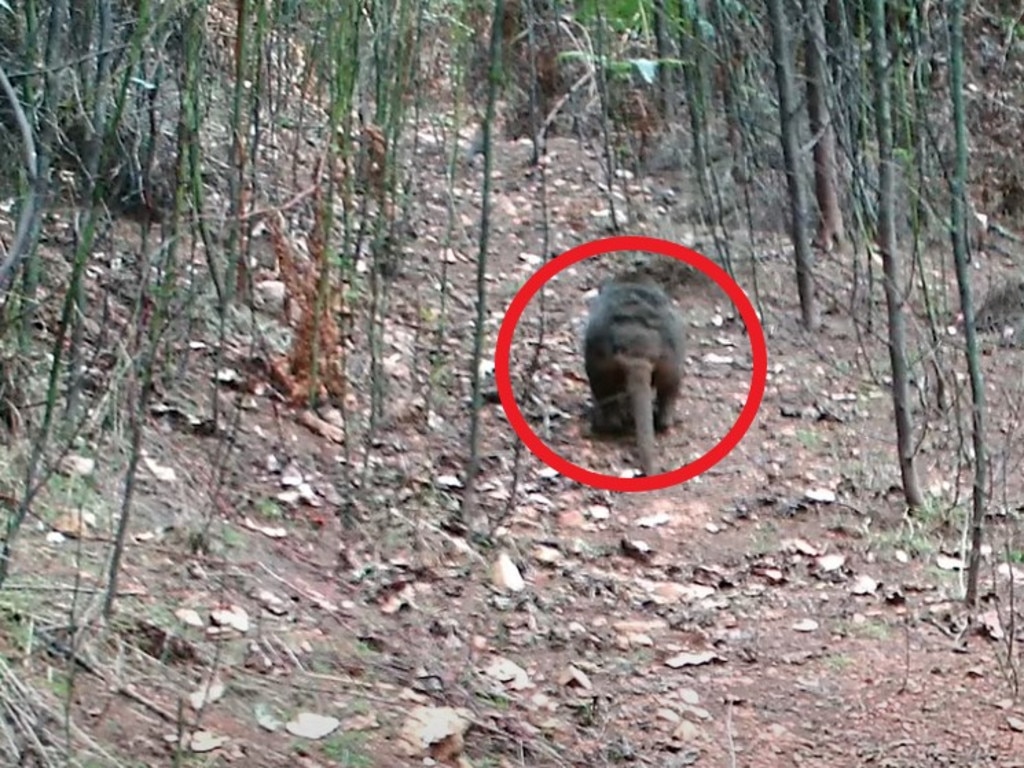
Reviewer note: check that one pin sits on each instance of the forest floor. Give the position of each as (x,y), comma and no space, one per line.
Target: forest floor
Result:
(781,609)
(778,610)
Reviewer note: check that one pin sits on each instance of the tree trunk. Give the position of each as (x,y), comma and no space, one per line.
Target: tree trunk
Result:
(809,311)
(959,234)
(830,216)
(666,85)
(891,266)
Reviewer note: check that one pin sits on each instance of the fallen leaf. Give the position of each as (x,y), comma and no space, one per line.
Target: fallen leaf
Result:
(362,722)
(75,524)
(315,424)
(450,482)
(232,616)
(266,719)
(572,677)
(805,625)
(821,495)
(160,472)
(82,466)
(269,531)
(636,549)
(291,477)
(189,617)
(509,674)
(206,741)
(989,621)
(864,585)
(427,729)
(696,659)
(272,603)
(505,575)
(833,562)
(547,555)
(800,546)
(309,725)
(653,521)
(687,732)
(211,692)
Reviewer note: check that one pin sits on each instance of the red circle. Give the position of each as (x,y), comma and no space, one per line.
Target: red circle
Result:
(758,351)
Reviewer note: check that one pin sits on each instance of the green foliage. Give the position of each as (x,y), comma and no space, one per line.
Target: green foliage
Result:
(621,15)
(348,749)
(269,509)
(623,68)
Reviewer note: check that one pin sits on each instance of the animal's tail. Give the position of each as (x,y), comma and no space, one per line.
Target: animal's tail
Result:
(638,384)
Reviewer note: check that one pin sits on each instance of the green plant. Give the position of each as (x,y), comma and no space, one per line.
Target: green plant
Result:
(348,749)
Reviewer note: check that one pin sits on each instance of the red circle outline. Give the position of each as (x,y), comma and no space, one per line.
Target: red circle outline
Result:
(758,351)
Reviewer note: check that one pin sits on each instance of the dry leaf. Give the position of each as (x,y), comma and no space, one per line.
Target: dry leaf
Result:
(160,472)
(81,466)
(547,555)
(989,621)
(75,524)
(269,531)
(864,585)
(232,616)
(271,602)
(829,563)
(315,424)
(428,730)
(653,521)
(572,677)
(310,725)
(205,741)
(509,674)
(266,720)
(189,617)
(822,495)
(800,546)
(209,693)
(505,575)
(450,482)
(694,659)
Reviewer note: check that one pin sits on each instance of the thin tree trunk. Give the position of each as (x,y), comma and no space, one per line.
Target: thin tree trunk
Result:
(959,234)
(891,266)
(666,87)
(809,311)
(469,508)
(830,222)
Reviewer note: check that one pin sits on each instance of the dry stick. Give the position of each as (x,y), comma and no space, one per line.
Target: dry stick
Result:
(79,658)
(553,113)
(729,739)
(11,681)
(309,594)
(20,248)
(457,541)
(1011,629)
(1008,42)
(906,655)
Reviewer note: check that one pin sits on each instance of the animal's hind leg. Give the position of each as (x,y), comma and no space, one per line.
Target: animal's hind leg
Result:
(609,410)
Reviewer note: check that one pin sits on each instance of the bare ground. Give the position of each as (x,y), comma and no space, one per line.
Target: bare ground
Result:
(783,612)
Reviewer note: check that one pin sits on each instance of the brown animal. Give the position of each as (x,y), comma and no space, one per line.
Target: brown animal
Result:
(633,342)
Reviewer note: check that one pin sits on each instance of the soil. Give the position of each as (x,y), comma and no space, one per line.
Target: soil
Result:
(781,609)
